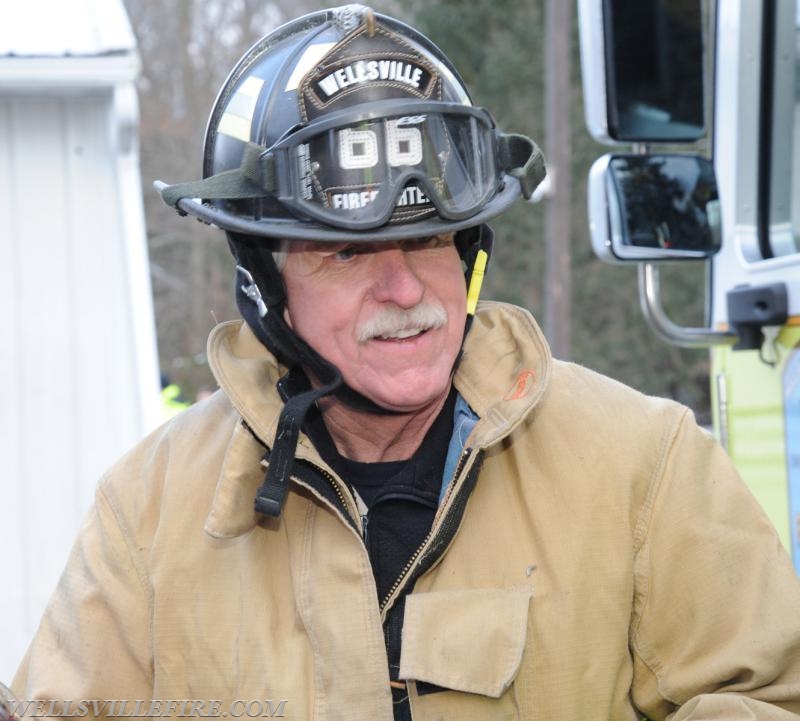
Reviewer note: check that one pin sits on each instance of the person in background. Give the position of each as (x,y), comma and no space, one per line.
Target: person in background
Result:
(172,399)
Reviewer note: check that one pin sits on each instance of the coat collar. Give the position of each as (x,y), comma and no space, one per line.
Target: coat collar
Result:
(503,373)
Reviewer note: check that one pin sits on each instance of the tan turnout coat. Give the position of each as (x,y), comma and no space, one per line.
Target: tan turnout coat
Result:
(608,563)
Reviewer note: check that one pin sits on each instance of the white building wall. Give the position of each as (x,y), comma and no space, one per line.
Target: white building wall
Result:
(78,364)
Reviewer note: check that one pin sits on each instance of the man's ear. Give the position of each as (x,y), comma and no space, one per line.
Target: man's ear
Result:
(287,317)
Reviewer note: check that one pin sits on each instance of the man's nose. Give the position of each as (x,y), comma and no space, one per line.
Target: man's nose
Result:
(396,279)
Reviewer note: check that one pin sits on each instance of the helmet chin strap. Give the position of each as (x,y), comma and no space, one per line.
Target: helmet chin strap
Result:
(263,312)
(272,492)
(265,317)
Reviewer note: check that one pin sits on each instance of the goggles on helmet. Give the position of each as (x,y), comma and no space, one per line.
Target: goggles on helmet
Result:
(361,168)
(355,169)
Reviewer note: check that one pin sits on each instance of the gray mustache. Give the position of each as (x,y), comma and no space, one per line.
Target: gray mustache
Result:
(392,320)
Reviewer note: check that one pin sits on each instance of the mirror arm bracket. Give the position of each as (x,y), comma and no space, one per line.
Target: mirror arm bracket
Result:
(687,337)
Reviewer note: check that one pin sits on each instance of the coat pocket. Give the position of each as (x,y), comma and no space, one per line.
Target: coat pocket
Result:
(469,643)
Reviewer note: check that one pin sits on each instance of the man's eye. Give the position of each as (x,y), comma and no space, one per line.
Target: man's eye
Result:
(345,253)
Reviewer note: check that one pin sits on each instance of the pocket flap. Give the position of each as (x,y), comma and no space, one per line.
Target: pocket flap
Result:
(468,640)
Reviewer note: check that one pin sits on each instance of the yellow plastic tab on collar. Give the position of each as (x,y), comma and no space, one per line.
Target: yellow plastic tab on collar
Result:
(476,281)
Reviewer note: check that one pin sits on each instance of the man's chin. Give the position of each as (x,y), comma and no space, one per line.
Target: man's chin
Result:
(399,397)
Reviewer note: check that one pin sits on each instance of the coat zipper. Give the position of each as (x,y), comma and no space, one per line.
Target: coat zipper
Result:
(345,509)
(363,517)
(462,461)
(348,516)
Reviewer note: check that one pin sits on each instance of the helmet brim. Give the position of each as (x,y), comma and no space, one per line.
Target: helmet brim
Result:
(293,229)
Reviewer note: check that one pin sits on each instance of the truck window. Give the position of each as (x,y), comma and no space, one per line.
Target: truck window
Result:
(780,175)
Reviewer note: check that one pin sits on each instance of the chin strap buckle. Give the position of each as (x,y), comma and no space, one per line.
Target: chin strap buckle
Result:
(251,291)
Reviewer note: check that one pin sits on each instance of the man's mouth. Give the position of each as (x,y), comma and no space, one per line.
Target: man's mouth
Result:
(403,334)
(395,324)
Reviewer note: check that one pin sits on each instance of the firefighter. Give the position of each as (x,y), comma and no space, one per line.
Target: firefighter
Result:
(400,505)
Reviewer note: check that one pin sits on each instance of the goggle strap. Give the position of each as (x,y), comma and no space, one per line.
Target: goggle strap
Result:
(522,159)
(254,177)
(517,154)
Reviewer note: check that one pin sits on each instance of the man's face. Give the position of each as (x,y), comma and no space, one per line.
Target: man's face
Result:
(390,316)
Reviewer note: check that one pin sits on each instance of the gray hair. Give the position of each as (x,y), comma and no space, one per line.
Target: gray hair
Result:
(279,256)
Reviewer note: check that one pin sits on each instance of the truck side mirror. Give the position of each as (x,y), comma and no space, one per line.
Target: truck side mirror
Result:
(646,58)
(646,208)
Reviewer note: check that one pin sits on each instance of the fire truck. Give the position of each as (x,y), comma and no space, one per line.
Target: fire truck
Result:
(698,102)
